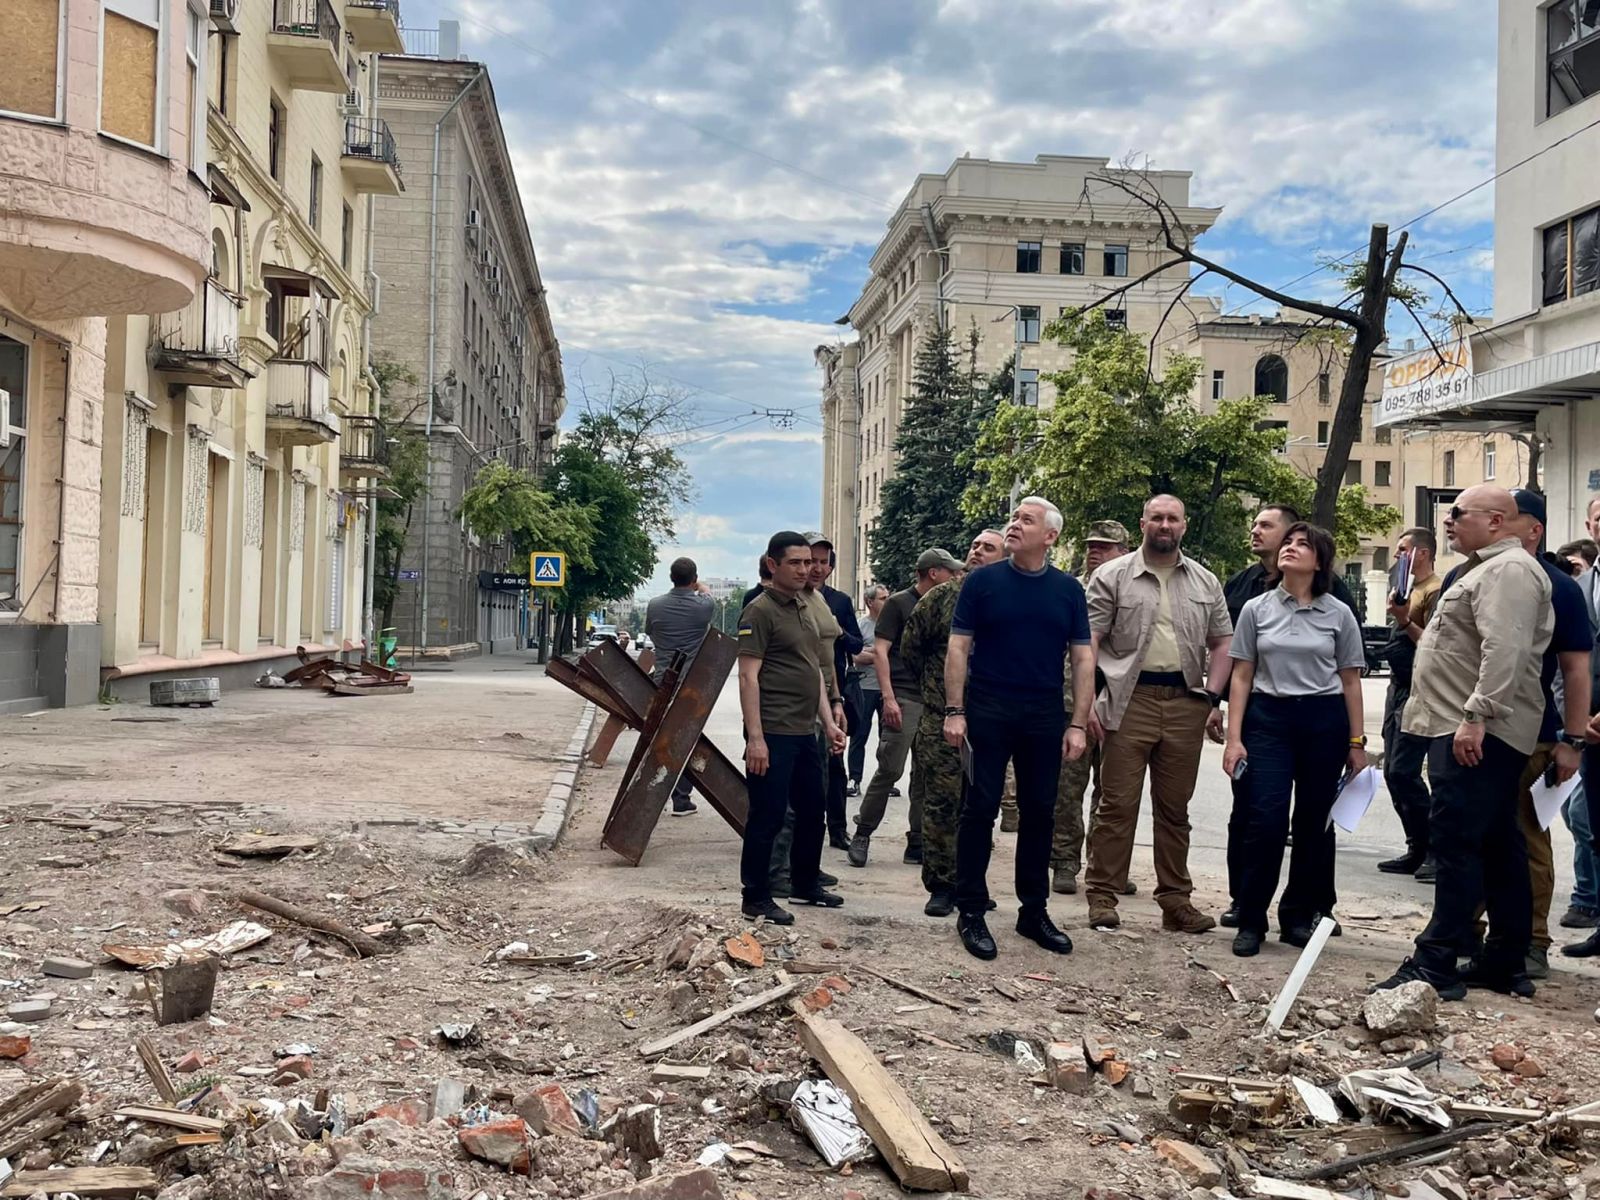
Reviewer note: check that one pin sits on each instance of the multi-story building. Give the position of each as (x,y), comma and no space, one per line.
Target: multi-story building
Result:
(241,432)
(1005,248)
(479,340)
(1002,247)
(1534,370)
(723,589)
(103,173)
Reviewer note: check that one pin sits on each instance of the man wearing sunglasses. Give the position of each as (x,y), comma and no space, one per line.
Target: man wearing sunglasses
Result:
(1476,695)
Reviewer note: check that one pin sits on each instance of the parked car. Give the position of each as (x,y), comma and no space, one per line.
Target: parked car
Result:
(1374,638)
(601,632)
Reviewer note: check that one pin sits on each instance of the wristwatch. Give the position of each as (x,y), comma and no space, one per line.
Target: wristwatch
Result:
(1359,742)
(1468,717)
(1214,697)
(1574,740)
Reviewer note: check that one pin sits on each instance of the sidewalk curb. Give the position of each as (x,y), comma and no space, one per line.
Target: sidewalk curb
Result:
(552,822)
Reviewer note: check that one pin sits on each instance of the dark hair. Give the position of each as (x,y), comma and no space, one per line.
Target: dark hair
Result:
(1321,542)
(683,572)
(786,539)
(1423,539)
(1586,548)
(1290,513)
(764,571)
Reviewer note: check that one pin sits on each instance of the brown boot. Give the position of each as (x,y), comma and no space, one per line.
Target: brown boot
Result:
(1103,913)
(1010,820)
(1186,919)
(1064,881)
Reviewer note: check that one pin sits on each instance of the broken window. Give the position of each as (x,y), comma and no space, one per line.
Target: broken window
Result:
(1272,378)
(1572,257)
(1115,261)
(1072,258)
(1572,48)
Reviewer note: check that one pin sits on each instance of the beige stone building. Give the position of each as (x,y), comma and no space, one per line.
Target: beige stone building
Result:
(103,174)
(1005,248)
(480,341)
(241,438)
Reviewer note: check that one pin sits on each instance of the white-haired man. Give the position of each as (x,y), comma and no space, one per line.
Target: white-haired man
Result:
(1161,635)
(1015,624)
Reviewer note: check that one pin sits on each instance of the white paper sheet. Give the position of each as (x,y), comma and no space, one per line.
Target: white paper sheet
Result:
(1547,801)
(1354,798)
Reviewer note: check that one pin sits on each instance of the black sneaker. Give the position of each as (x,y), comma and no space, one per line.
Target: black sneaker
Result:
(1507,983)
(827,880)
(1247,943)
(1294,935)
(913,855)
(1406,864)
(766,910)
(1428,872)
(1588,948)
(975,936)
(839,841)
(687,809)
(1579,916)
(860,847)
(854,789)
(1408,971)
(781,887)
(820,898)
(1230,918)
(940,904)
(894,791)
(1041,929)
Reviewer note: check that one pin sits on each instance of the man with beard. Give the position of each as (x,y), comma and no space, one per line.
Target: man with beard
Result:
(1016,622)
(1162,633)
(935,764)
(1266,536)
(1106,540)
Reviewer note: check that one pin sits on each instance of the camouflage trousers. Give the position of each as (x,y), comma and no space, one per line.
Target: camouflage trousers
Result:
(1066,850)
(936,771)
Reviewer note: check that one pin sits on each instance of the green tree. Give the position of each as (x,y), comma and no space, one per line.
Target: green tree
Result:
(622,554)
(504,503)
(405,485)
(631,426)
(933,459)
(1118,433)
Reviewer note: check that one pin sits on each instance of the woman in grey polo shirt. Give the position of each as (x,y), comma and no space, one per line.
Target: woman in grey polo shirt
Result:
(1294,726)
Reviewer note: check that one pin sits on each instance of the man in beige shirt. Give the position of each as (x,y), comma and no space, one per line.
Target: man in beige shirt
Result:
(1477,698)
(1161,633)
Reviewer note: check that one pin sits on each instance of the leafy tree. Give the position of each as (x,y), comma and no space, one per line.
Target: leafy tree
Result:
(933,459)
(630,426)
(622,554)
(505,503)
(1118,434)
(406,484)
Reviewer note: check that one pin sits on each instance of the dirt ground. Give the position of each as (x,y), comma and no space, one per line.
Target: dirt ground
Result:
(444,905)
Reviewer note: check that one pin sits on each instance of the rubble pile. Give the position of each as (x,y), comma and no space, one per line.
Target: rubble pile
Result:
(220,1013)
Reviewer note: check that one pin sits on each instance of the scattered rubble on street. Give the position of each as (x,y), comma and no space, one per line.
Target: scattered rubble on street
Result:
(382,1023)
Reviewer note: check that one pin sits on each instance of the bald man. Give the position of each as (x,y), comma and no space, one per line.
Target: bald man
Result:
(1477,697)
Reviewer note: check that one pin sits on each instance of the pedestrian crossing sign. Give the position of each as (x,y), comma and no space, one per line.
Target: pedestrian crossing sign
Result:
(549,570)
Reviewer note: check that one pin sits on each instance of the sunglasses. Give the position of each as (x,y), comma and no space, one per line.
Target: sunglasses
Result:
(1457,512)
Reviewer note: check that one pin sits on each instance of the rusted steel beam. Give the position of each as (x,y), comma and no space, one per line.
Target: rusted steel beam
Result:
(670,738)
(652,722)
(565,673)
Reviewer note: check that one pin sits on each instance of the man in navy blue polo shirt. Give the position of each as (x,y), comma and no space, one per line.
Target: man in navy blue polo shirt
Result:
(1015,626)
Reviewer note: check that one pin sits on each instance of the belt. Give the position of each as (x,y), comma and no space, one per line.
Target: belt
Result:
(1162,679)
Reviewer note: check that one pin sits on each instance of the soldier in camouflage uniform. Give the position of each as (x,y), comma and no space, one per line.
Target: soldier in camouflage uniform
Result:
(935,764)
(1105,541)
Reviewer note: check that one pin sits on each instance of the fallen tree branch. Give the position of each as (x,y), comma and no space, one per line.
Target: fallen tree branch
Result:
(366,947)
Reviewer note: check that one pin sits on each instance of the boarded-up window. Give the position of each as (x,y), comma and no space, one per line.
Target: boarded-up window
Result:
(128,79)
(33,54)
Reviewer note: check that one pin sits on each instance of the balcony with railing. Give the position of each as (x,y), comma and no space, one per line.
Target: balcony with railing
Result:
(374,26)
(441,43)
(298,409)
(199,345)
(371,162)
(306,41)
(363,448)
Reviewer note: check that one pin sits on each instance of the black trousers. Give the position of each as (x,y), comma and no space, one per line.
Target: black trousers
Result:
(1025,732)
(1482,857)
(869,705)
(1403,756)
(794,781)
(1297,747)
(836,786)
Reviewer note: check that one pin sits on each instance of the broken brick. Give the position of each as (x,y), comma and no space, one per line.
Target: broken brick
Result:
(504,1143)
(297,1065)
(1193,1164)
(745,949)
(410,1111)
(837,984)
(1528,1068)
(365,1178)
(1116,1071)
(1065,1068)
(699,1184)
(816,1000)
(1506,1056)
(15,1047)
(190,1063)
(548,1111)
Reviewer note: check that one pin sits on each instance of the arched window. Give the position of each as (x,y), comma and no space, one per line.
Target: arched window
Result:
(220,258)
(1272,378)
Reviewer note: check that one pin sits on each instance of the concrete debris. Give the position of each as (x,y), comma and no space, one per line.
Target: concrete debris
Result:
(67,968)
(1410,1008)
(1195,1167)
(504,1142)
(548,1112)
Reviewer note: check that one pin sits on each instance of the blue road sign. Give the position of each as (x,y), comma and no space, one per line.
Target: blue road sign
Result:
(549,570)
(409,576)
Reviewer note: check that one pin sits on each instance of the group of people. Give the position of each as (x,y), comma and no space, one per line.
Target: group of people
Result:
(1004,666)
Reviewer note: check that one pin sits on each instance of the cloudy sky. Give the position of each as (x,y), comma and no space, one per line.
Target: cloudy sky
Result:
(706,181)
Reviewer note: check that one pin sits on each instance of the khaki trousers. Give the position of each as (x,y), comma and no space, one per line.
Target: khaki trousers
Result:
(1162,732)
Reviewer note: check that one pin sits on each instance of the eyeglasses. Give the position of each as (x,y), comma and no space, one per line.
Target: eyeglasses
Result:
(1457,512)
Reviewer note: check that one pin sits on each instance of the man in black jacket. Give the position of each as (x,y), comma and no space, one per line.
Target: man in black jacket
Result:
(1404,753)
(845,648)
(1266,535)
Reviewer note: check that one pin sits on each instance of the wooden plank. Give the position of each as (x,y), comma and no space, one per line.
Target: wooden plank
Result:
(678,1073)
(661,1045)
(155,1068)
(52,1096)
(1299,975)
(85,1181)
(269,845)
(363,945)
(157,1114)
(1229,1082)
(921,993)
(919,1157)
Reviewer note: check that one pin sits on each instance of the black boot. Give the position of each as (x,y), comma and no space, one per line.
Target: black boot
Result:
(1406,864)
(1038,927)
(975,936)
(941,903)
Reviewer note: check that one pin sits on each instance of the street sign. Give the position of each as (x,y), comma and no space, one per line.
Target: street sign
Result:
(549,570)
(408,576)
(503,581)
